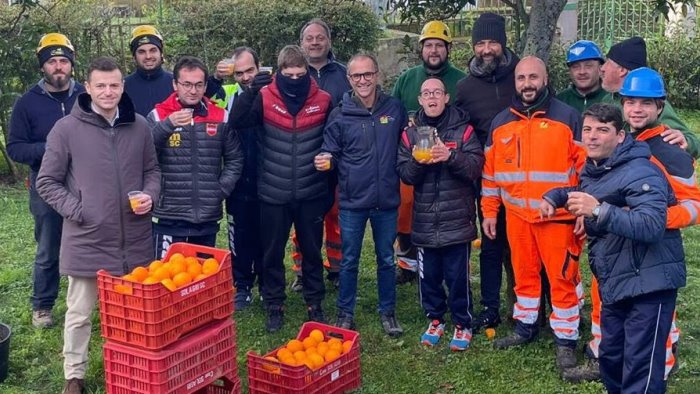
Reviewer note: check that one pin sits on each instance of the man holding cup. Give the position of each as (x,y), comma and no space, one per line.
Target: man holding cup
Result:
(192,139)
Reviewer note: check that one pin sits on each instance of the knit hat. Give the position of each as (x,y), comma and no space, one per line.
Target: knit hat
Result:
(147,39)
(630,53)
(54,44)
(489,26)
(145,34)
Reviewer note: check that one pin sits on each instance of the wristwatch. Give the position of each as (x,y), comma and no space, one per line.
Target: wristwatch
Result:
(596,211)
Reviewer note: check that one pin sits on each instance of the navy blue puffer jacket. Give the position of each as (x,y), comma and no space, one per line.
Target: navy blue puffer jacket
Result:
(631,253)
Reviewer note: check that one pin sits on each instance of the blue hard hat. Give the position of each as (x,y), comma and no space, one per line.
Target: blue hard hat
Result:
(583,50)
(643,82)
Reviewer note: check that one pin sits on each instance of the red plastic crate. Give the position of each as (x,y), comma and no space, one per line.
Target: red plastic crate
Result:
(154,317)
(339,376)
(193,362)
(225,385)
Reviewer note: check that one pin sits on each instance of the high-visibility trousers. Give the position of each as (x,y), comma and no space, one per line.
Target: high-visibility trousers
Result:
(405,209)
(594,344)
(332,243)
(553,245)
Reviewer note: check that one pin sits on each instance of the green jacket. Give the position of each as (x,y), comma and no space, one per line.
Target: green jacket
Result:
(581,102)
(226,102)
(408,85)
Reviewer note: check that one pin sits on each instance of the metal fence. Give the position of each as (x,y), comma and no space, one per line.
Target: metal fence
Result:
(609,21)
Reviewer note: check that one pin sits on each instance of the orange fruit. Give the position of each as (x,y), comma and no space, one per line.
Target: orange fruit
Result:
(210,266)
(289,360)
(191,260)
(322,348)
(309,342)
(316,360)
(182,279)
(199,277)
(295,345)
(177,267)
(476,243)
(177,258)
(271,367)
(161,273)
(332,355)
(155,264)
(169,284)
(140,273)
(130,278)
(150,280)
(300,356)
(317,335)
(284,353)
(335,340)
(123,289)
(490,333)
(194,269)
(347,345)
(310,351)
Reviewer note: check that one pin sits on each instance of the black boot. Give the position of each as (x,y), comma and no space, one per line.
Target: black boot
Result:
(510,341)
(275,318)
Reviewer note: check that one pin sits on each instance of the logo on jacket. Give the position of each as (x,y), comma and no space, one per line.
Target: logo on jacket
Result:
(174,140)
(279,109)
(312,109)
(211,129)
(385,119)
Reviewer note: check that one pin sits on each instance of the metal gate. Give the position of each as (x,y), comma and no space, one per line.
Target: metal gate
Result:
(609,21)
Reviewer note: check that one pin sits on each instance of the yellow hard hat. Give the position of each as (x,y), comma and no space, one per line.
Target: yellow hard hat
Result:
(145,34)
(435,29)
(54,39)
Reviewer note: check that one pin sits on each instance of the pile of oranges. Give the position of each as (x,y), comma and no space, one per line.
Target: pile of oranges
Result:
(177,272)
(314,351)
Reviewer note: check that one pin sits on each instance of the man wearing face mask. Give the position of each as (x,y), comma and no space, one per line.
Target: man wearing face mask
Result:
(33,116)
(435,44)
(291,112)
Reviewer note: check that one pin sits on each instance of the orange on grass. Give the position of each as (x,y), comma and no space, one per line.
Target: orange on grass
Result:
(155,264)
(169,284)
(300,356)
(309,342)
(331,355)
(347,345)
(210,266)
(177,258)
(150,280)
(316,360)
(317,335)
(294,345)
(140,273)
(322,348)
(182,279)
(194,269)
(476,243)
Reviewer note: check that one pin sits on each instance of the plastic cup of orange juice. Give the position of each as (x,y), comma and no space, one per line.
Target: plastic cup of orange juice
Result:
(134,199)
(327,160)
(265,69)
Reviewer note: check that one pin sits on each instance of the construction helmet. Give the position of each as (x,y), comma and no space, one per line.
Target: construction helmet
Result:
(583,50)
(435,29)
(643,82)
(145,34)
(54,44)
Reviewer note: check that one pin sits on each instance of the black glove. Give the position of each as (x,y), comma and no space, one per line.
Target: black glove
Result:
(260,80)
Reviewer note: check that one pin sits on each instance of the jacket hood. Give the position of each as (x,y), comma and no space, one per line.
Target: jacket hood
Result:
(454,118)
(628,150)
(40,87)
(506,68)
(83,111)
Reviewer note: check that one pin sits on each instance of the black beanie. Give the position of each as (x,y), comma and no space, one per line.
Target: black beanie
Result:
(55,50)
(630,54)
(145,39)
(489,26)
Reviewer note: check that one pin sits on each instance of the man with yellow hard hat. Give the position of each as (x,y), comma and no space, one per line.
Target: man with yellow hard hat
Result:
(435,42)
(33,116)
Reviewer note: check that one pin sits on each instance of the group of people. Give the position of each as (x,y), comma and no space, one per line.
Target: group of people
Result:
(317,144)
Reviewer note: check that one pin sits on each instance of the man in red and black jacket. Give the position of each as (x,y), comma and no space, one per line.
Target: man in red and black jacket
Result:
(291,112)
(192,138)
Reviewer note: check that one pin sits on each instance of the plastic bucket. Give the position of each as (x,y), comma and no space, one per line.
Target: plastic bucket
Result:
(5,334)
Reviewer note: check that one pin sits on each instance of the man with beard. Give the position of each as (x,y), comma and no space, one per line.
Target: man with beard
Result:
(150,84)
(485,92)
(33,116)
(531,150)
(435,43)
(629,55)
(584,59)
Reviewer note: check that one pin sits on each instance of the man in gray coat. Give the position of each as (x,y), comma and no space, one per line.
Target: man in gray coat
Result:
(94,157)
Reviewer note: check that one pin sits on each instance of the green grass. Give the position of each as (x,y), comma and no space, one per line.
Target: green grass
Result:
(388,365)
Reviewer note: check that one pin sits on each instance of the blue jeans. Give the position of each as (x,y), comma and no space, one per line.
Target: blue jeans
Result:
(47,233)
(352,233)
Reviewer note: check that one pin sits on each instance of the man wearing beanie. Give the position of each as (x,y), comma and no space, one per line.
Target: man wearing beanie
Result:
(150,84)
(435,43)
(485,92)
(629,55)
(33,116)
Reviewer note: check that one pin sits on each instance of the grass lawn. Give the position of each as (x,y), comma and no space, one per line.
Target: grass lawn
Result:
(388,365)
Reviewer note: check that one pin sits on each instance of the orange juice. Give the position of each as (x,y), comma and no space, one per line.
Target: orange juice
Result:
(422,154)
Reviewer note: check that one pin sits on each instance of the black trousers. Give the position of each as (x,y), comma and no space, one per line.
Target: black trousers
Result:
(244,242)
(633,347)
(275,223)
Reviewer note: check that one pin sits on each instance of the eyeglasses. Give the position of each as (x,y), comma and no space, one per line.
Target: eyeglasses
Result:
(190,85)
(367,76)
(437,93)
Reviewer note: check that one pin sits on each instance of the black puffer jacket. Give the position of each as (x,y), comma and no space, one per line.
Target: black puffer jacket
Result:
(194,182)
(444,207)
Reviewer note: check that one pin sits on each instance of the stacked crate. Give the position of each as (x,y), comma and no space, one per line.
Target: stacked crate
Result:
(170,342)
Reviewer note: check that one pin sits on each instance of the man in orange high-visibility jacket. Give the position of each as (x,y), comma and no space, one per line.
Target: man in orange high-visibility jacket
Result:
(531,149)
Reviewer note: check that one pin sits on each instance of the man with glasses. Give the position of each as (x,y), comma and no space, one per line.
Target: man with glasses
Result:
(192,140)
(362,139)
(291,113)
(435,42)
